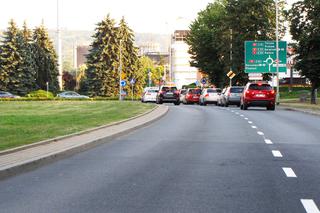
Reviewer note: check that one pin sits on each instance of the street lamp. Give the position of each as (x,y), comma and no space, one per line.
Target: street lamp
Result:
(120,71)
(277,50)
(59,47)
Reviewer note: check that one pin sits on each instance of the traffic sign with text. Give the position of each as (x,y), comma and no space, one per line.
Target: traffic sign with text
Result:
(261,56)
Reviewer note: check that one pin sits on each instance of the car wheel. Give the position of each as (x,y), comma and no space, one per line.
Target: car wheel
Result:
(245,106)
(205,103)
(272,107)
(177,103)
(241,106)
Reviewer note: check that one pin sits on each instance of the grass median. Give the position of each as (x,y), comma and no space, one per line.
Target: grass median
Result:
(23,123)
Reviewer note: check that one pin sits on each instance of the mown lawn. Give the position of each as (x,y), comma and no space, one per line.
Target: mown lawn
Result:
(27,122)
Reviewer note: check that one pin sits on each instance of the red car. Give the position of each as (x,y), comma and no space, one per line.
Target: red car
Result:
(258,94)
(192,96)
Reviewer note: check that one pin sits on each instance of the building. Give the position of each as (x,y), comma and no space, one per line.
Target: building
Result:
(181,71)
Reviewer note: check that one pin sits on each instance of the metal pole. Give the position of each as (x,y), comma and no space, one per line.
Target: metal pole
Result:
(231,55)
(47,89)
(132,92)
(59,47)
(277,50)
(120,70)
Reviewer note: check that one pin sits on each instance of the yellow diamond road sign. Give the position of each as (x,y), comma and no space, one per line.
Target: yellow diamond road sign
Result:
(231,74)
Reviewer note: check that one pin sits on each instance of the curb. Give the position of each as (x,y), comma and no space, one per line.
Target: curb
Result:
(310,112)
(44,142)
(38,161)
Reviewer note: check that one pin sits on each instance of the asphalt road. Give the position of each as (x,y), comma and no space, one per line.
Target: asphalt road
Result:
(195,159)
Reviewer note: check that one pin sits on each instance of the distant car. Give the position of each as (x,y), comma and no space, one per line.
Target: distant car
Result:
(150,95)
(231,96)
(183,95)
(209,96)
(4,94)
(192,96)
(220,100)
(71,94)
(168,94)
(258,94)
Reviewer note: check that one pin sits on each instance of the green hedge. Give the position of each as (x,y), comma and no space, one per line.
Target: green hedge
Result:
(40,94)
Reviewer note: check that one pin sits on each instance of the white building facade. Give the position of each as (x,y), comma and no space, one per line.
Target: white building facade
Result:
(182,72)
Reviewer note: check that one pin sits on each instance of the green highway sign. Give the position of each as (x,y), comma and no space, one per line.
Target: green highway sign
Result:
(260,56)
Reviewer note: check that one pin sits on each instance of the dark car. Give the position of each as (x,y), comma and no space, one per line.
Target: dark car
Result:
(192,96)
(258,94)
(168,94)
(231,96)
(4,94)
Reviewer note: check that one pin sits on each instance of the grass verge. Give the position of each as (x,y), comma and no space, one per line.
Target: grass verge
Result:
(23,122)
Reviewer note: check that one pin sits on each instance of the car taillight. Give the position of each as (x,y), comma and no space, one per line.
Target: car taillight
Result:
(148,93)
(248,93)
(229,93)
(177,92)
(207,95)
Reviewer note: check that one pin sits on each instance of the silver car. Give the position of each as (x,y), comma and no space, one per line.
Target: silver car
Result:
(150,95)
(231,96)
(209,96)
(71,94)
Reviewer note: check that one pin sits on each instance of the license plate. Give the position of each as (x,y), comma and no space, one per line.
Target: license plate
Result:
(260,95)
(169,93)
(195,96)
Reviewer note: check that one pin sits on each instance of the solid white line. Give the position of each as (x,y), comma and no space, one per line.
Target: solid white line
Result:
(260,133)
(309,206)
(268,141)
(253,127)
(277,154)
(250,122)
(289,172)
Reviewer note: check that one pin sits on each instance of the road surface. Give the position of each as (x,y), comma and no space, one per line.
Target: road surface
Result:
(195,159)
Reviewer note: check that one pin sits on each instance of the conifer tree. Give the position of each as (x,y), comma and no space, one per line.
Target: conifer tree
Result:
(10,60)
(45,60)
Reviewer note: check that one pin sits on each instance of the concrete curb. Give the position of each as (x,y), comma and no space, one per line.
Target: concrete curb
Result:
(311,112)
(17,166)
(44,142)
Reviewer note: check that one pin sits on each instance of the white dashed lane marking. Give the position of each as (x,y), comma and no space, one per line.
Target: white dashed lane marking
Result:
(310,206)
(277,154)
(260,133)
(250,122)
(289,172)
(246,118)
(268,141)
(253,127)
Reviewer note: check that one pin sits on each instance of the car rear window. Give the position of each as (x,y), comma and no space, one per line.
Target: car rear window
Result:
(152,90)
(195,91)
(169,88)
(236,90)
(212,91)
(260,87)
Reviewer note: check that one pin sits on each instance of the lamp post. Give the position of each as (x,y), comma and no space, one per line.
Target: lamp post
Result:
(120,71)
(277,50)
(59,47)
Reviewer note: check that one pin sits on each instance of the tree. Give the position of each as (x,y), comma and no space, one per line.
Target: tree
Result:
(10,60)
(305,29)
(101,73)
(46,60)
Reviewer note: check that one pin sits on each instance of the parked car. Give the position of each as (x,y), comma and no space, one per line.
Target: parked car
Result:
(231,96)
(209,96)
(183,95)
(258,94)
(168,94)
(4,94)
(71,94)
(150,95)
(192,96)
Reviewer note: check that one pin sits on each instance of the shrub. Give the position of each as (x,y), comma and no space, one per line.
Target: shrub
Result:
(40,94)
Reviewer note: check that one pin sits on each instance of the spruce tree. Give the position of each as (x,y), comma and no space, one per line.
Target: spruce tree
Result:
(45,60)
(101,73)
(130,60)
(10,60)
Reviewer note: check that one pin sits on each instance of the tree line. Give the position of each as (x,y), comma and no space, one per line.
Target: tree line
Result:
(28,60)
(226,22)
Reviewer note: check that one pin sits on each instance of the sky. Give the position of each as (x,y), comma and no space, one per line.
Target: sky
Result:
(146,16)
(143,16)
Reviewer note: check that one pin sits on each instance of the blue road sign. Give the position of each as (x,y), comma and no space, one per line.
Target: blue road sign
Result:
(123,83)
(203,81)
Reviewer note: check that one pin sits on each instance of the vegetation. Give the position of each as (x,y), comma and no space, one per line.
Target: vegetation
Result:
(112,45)
(305,29)
(27,122)
(226,22)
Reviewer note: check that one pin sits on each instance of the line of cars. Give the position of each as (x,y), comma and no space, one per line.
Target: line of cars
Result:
(65,94)
(254,94)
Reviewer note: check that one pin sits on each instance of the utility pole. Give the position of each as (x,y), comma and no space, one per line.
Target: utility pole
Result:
(231,55)
(59,48)
(120,71)
(277,50)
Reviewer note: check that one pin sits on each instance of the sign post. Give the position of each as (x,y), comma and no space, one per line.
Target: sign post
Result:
(132,82)
(231,75)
